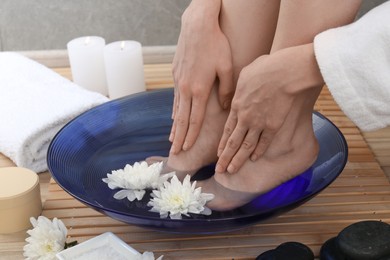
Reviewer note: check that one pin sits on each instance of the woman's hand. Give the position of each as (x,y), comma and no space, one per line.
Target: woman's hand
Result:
(265,93)
(202,57)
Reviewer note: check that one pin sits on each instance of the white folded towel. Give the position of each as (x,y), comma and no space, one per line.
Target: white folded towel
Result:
(35,102)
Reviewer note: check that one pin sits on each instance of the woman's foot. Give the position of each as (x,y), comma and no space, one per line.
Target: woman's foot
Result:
(204,151)
(292,151)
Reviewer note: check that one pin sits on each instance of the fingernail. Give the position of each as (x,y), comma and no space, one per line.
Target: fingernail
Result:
(231,169)
(218,168)
(253,157)
(173,150)
(219,152)
(186,146)
(171,138)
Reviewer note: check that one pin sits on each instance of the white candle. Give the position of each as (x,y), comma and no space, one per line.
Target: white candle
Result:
(87,63)
(124,68)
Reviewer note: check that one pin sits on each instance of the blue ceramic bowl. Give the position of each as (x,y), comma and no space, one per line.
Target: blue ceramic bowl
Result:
(132,128)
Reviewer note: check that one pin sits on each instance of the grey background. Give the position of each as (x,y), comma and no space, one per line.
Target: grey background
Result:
(50,24)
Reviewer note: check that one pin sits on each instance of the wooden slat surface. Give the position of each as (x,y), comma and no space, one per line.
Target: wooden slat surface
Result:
(361,192)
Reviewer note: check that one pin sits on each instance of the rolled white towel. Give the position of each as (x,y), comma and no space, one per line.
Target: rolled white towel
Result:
(35,103)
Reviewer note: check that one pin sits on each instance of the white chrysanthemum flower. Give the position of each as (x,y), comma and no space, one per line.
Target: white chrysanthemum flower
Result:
(148,256)
(46,239)
(174,199)
(133,180)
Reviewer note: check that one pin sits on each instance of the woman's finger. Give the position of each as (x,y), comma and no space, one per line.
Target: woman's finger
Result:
(232,146)
(264,141)
(198,110)
(175,101)
(247,147)
(227,132)
(181,124)
(175,107)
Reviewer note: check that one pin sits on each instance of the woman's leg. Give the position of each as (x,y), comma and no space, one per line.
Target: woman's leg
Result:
(299,20)
(250,27)
(294,148)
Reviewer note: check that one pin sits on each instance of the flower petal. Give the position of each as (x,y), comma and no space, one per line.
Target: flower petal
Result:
(206,211)
(131,195)
(121,194)
(139,194)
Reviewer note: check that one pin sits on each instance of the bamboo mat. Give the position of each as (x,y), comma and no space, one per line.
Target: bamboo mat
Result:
(361,192)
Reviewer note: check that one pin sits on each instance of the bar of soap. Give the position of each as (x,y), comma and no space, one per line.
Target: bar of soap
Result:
(20,198)
(365,240)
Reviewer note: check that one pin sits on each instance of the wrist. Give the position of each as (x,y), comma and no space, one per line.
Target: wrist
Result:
(314,76)
(305,73)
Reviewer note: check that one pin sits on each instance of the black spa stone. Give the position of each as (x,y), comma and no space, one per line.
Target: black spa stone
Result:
(293,251)
(288,251)
(365,240)
(267,255)
(331,251)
